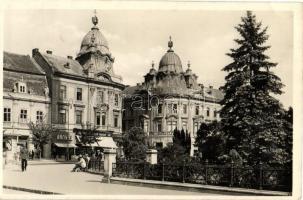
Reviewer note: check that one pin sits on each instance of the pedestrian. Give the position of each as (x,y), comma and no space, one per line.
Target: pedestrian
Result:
(24,158)
(80,164)
(33,154)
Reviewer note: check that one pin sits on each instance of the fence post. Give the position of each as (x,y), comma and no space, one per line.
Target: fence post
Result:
(231,173)
(162,171)
(144,173)
(183,172)
(260,176)
(206,166)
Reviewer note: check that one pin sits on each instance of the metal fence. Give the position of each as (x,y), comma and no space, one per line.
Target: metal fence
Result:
(95,166)
(221,175)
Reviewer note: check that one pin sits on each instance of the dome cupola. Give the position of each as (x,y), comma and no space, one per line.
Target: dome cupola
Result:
(170,62)
(94,40)
(153,71)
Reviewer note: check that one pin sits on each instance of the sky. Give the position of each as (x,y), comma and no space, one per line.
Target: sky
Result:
(138,37)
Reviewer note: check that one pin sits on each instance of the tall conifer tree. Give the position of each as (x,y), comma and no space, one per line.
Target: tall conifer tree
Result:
(251,116)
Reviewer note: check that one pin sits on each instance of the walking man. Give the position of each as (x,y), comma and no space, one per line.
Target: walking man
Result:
(24,158)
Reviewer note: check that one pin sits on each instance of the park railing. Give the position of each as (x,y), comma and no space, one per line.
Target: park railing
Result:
(95,166)
(258,177)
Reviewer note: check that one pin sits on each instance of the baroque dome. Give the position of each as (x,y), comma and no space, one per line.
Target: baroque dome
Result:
(170,61)
(94,41)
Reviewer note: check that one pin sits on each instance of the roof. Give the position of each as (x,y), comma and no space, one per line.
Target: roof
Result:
(59,64)
(21,63)
(170,62)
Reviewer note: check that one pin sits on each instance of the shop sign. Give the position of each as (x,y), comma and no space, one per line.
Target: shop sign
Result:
(63,136)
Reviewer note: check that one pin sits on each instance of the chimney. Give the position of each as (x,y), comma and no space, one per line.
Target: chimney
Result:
(49,52)
(35,51)
(70,57)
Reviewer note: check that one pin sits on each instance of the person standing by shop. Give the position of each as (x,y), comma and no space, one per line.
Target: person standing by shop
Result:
(24,158)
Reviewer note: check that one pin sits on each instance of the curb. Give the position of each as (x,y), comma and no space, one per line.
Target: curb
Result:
(30,190)
(196,187)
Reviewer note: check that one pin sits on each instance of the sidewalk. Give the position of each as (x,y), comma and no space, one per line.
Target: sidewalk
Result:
(57,178)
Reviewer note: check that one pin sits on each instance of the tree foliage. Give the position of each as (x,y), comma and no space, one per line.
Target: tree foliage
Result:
(210,141)
(252,118)
(134,144)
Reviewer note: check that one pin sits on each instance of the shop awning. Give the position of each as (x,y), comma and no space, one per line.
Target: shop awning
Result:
(104,142)
(65,145)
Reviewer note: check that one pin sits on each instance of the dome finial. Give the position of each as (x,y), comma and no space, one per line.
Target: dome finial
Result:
(170,43)
(188,64)
(95,18)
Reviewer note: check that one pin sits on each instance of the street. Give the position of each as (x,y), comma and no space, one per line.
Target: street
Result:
(58,178)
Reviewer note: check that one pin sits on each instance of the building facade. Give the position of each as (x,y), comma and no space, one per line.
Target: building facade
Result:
(25,99)
(83,94)
(169,99)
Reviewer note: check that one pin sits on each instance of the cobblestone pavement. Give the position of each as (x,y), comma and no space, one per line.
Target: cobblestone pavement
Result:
(58,178)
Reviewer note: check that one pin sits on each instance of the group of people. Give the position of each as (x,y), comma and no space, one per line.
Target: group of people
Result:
(83,161)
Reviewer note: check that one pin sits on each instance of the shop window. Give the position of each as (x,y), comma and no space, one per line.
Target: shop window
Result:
(39,116)
(62,116)
(62,94)
(7,115)
(79,94)
(78,117)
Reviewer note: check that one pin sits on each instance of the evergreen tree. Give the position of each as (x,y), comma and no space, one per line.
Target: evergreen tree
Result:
(251,116)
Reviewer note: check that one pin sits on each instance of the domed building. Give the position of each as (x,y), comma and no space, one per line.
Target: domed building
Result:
(85,95)
(169,99)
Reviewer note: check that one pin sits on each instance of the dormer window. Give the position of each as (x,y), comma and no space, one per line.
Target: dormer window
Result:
(21,87)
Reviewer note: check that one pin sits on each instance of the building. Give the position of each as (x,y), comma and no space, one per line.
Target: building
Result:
(25,99)
(83,94)
(170,99)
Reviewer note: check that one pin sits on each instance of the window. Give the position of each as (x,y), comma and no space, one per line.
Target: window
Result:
(171,125)
(7,114)
(98,118)
(62,116)
(207,112)
(79,94)
(78,117)
(170,108)
(175,108)
(116,100)
(196,128)
(62,94)
(103,118)
(215,113)
(116,117)
(159,145)
(184,125)
(184,109)
(39,116)
(159,127)
(100,97)
(22,88)
(160,109)
(197,110)
(23,114)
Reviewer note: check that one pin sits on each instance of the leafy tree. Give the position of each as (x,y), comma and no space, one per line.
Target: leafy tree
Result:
(134,144)
(210,141)
(251,116)
(41,134)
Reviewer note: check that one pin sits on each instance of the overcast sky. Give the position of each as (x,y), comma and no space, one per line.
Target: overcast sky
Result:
(136,38)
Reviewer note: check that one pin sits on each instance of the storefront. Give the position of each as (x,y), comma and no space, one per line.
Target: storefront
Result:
(62,147)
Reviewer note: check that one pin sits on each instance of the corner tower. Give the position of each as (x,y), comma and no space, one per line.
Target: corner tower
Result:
(95,56)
